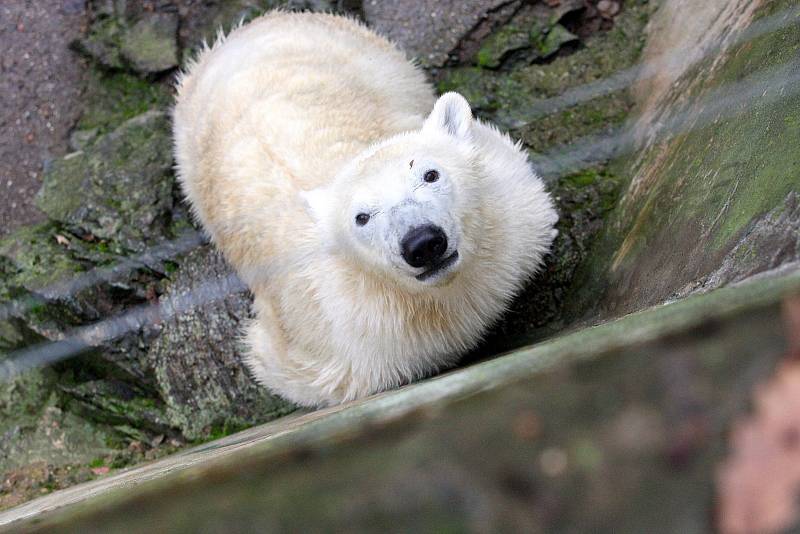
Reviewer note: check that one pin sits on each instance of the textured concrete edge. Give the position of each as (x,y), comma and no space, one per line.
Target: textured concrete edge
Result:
(273,440)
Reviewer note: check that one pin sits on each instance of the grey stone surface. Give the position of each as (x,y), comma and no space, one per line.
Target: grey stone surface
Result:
(428,30)
(120,187)
(131,36)
(197,357)
(712,172)
(770,242)
(150,45)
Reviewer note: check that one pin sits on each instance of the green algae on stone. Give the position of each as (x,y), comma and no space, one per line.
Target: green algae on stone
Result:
(117,404)
(114,97)
(534,29)
(57,437)
(35,260)
(150,45)
(709,189)
(552,41)
(102,43)
(597,116)
(198,356)
(500,44)
(34,428)
(122,37)
(120,188)
(506,95)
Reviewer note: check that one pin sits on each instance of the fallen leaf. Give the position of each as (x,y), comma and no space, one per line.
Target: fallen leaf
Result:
(61,240)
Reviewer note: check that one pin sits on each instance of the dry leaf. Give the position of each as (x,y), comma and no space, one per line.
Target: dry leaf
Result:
(61,240)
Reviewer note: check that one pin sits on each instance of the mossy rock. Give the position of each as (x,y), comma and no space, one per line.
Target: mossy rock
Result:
(113,98)
(119,188)
(119,405)
(711,192)
(34,428)
(150,45)
(534,29)
(34,259)
(198,356)
(120,38)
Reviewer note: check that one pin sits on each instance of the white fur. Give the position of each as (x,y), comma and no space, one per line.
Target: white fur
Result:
(296,123)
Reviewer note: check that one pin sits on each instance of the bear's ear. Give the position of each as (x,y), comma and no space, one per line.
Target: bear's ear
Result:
(318,202)
(452,114)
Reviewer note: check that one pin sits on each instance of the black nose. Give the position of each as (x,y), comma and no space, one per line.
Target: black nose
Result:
(424,245)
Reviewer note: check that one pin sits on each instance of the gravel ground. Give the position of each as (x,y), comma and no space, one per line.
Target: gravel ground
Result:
(41,82)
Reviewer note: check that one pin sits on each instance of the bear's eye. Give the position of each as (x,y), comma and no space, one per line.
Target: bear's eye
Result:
(431,176)
(362,219)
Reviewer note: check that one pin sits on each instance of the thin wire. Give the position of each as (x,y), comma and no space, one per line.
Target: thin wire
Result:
(724,103)
(64,288)
(87,337)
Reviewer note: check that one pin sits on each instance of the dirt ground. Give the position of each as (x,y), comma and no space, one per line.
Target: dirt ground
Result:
(41,82)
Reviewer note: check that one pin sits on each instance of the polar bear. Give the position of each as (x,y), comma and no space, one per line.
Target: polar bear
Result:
(381,231)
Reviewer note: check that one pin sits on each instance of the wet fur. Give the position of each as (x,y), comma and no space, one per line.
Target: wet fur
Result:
(299,102)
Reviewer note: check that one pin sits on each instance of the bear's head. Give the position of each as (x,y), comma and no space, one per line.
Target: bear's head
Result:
(421,207)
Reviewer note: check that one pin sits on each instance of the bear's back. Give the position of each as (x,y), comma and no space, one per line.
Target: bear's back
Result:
(278,106)
(316,88)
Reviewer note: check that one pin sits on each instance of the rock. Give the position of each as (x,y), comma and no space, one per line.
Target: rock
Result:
(552,41)
(56,437)
(102,43)
(428,30)
(47,292)
(198,355)
(534,29)
(770,242)
(123,37)
(150,45)
(32,260)
(608,9)
(117,404)
(712,170)
(116,97)
(33,428)
(501,44)
(80,139)
(352,7)
(107,8)
(120,188)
